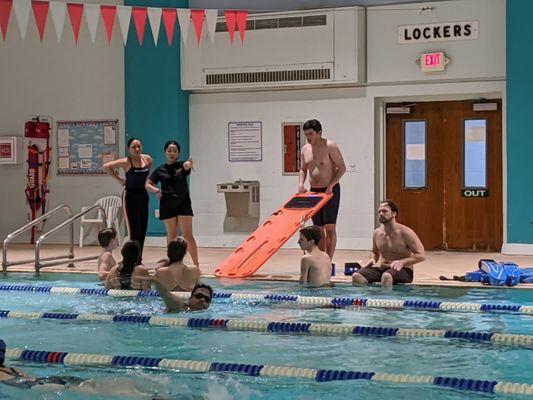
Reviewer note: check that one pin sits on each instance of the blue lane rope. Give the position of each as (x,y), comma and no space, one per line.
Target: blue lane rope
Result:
(265,326)
(316,301)
(319,375)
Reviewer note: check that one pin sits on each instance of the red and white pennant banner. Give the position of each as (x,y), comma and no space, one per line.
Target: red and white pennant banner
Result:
(94,12)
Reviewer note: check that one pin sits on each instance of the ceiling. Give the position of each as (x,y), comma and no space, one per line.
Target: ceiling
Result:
(275,5)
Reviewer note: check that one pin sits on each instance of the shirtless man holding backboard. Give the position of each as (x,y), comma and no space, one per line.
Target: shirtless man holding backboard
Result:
(323,160)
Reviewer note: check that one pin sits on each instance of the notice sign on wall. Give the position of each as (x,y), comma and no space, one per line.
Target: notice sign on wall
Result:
(443,32)
(245,141)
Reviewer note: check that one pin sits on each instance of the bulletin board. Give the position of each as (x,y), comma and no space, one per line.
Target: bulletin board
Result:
(83,147)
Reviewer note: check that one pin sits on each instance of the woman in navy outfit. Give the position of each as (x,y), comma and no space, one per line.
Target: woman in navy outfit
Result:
(175,202)
(135,197)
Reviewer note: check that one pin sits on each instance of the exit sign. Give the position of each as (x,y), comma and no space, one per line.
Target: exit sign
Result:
(431,62)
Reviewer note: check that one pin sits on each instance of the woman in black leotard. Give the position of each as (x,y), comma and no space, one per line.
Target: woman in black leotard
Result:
(135,197)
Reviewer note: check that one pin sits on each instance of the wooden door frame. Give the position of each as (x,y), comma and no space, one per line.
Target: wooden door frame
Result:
(380,135)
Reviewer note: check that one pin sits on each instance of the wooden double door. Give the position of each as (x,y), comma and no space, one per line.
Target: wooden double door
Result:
(444,169)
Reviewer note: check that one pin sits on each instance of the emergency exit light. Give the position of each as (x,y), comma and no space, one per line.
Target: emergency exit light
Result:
(432,62)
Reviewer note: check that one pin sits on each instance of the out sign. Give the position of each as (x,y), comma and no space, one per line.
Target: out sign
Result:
(430,62)
(475,192)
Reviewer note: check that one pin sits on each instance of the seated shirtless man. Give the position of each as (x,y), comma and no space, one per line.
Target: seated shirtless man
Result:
(395,249)
(174,274)
(315,265)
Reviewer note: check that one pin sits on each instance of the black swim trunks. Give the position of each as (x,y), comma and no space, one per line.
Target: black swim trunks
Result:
(328,214)
(373,274)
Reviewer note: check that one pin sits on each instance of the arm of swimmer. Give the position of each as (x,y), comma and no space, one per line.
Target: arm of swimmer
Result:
(415,245)
(102,268)
(111,167)
(338,160)
(197,276)
(112,279)
(374,254)
(144,277)
(304,271)
(302,174)
(172,302)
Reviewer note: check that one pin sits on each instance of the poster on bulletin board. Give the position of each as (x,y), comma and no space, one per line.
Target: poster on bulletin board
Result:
(83,147)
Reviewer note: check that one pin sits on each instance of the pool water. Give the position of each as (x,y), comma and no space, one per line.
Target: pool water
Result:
(424,356)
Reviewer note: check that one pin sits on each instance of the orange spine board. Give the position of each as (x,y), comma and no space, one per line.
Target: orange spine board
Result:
(271,235)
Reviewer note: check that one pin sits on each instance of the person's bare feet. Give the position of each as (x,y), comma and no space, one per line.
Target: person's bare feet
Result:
(386,280)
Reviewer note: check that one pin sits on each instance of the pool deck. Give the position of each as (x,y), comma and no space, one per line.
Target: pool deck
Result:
(284,265)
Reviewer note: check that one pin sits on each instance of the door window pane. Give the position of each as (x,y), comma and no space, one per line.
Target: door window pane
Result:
(475,153)
(414,160)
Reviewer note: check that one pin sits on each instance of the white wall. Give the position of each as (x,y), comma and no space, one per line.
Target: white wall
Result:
(352,117)
(389,61)
(345,119)
(64,81)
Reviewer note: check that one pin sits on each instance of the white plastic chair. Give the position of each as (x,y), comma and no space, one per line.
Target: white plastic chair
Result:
(112,206)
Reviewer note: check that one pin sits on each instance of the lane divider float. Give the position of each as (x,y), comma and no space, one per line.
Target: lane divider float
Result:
(318,375)
(265,326)
(310,301)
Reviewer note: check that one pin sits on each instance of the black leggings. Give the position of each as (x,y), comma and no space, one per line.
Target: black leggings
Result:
(135,203)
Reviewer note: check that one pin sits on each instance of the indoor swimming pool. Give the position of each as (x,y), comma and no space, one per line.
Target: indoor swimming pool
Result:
(381,353)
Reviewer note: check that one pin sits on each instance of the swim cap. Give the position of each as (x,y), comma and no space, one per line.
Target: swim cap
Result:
(2,351)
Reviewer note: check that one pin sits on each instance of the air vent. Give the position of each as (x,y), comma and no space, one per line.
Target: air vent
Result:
(314,20)
(297,75)
(271,23)
(275,23)
(291,22)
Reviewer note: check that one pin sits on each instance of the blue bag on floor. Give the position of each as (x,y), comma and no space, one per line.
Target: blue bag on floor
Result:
(476,276)
(495,272)
(513,273)
(526,275)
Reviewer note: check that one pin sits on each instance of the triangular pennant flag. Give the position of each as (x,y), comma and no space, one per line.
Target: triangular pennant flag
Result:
(169,20)
(92,14)
(139,18)
(40,12)
(154,17)
(198,23)
(184,18)
(242,15)
(22,12)
(211,23)
(231,19)
(124,18)
(58,10)
(75,13)
(108,16)
(5,13)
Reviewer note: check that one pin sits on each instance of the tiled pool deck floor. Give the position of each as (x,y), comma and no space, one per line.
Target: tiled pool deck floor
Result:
(284,265)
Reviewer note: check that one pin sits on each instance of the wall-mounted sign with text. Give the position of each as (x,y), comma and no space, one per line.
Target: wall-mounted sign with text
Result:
(245,142)
(443,32)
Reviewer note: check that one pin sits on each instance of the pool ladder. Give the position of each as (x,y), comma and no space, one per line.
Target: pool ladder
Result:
(41,262)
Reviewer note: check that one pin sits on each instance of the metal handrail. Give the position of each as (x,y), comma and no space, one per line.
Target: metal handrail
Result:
(29,225)
(69,222)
